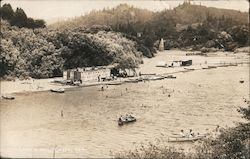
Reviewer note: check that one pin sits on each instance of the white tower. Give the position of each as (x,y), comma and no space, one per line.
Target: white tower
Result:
(161,45)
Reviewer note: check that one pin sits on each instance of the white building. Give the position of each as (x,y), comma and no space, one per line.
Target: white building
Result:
(161,45)
(88,74)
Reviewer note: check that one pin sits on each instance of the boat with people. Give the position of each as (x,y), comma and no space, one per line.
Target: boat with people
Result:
(186,137)
(58,90)
(126,119)
(8,97)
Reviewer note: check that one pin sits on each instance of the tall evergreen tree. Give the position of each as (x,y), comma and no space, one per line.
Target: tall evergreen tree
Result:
(19,18)
(6,12)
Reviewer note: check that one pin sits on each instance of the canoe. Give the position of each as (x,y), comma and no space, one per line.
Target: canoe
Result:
(59,90)
(8,97)
(126,120)
(185,139)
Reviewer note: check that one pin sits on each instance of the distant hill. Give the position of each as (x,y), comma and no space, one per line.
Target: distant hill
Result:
(187,13)
(140,18)
(121,15)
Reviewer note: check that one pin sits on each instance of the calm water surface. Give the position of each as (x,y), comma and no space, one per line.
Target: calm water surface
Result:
(32,126)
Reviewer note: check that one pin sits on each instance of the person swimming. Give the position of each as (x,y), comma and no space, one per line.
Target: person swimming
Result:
(61,113)
(190,134)
(182,134)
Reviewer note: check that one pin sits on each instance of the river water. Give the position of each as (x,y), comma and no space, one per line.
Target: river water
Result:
(32,125)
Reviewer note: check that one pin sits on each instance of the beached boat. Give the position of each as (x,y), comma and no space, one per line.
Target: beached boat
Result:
(205,68)
(115,83)
(189,69)
(212,67)
(170,77)
(154,78)
(233,65)
(8,97)
(59,90)
(126,120)
(132,81)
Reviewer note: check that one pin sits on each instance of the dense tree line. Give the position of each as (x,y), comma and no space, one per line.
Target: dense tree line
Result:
(19,18)
(43,53)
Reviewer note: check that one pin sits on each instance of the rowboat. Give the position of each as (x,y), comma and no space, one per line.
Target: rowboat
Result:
(154,78)
(132,81)
(189,69)
(212,67)
(185,139)
(115,83)
(126,120)
(170,76)
(8,97)
(59,90)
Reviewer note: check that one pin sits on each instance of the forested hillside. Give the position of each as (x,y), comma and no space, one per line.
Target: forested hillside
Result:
(186,26)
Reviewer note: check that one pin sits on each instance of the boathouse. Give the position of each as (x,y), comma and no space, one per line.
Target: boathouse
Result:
(88,73)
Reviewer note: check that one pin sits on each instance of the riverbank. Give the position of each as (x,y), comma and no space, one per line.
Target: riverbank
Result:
(218,59)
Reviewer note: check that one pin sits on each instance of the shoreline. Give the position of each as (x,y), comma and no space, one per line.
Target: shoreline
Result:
(200,63)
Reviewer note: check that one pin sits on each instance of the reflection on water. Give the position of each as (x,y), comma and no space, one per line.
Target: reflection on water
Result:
(32,126)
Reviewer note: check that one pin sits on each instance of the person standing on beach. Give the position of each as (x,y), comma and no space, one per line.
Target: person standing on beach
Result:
(61,113)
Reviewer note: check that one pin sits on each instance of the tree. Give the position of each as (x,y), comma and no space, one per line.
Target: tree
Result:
(6,12)
(30,23)
(8,57)
(19,18)
(39,23)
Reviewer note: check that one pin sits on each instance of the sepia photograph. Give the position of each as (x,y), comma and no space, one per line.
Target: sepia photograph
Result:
(136,79)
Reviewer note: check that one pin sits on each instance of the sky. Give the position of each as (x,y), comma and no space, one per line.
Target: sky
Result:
(54,10)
